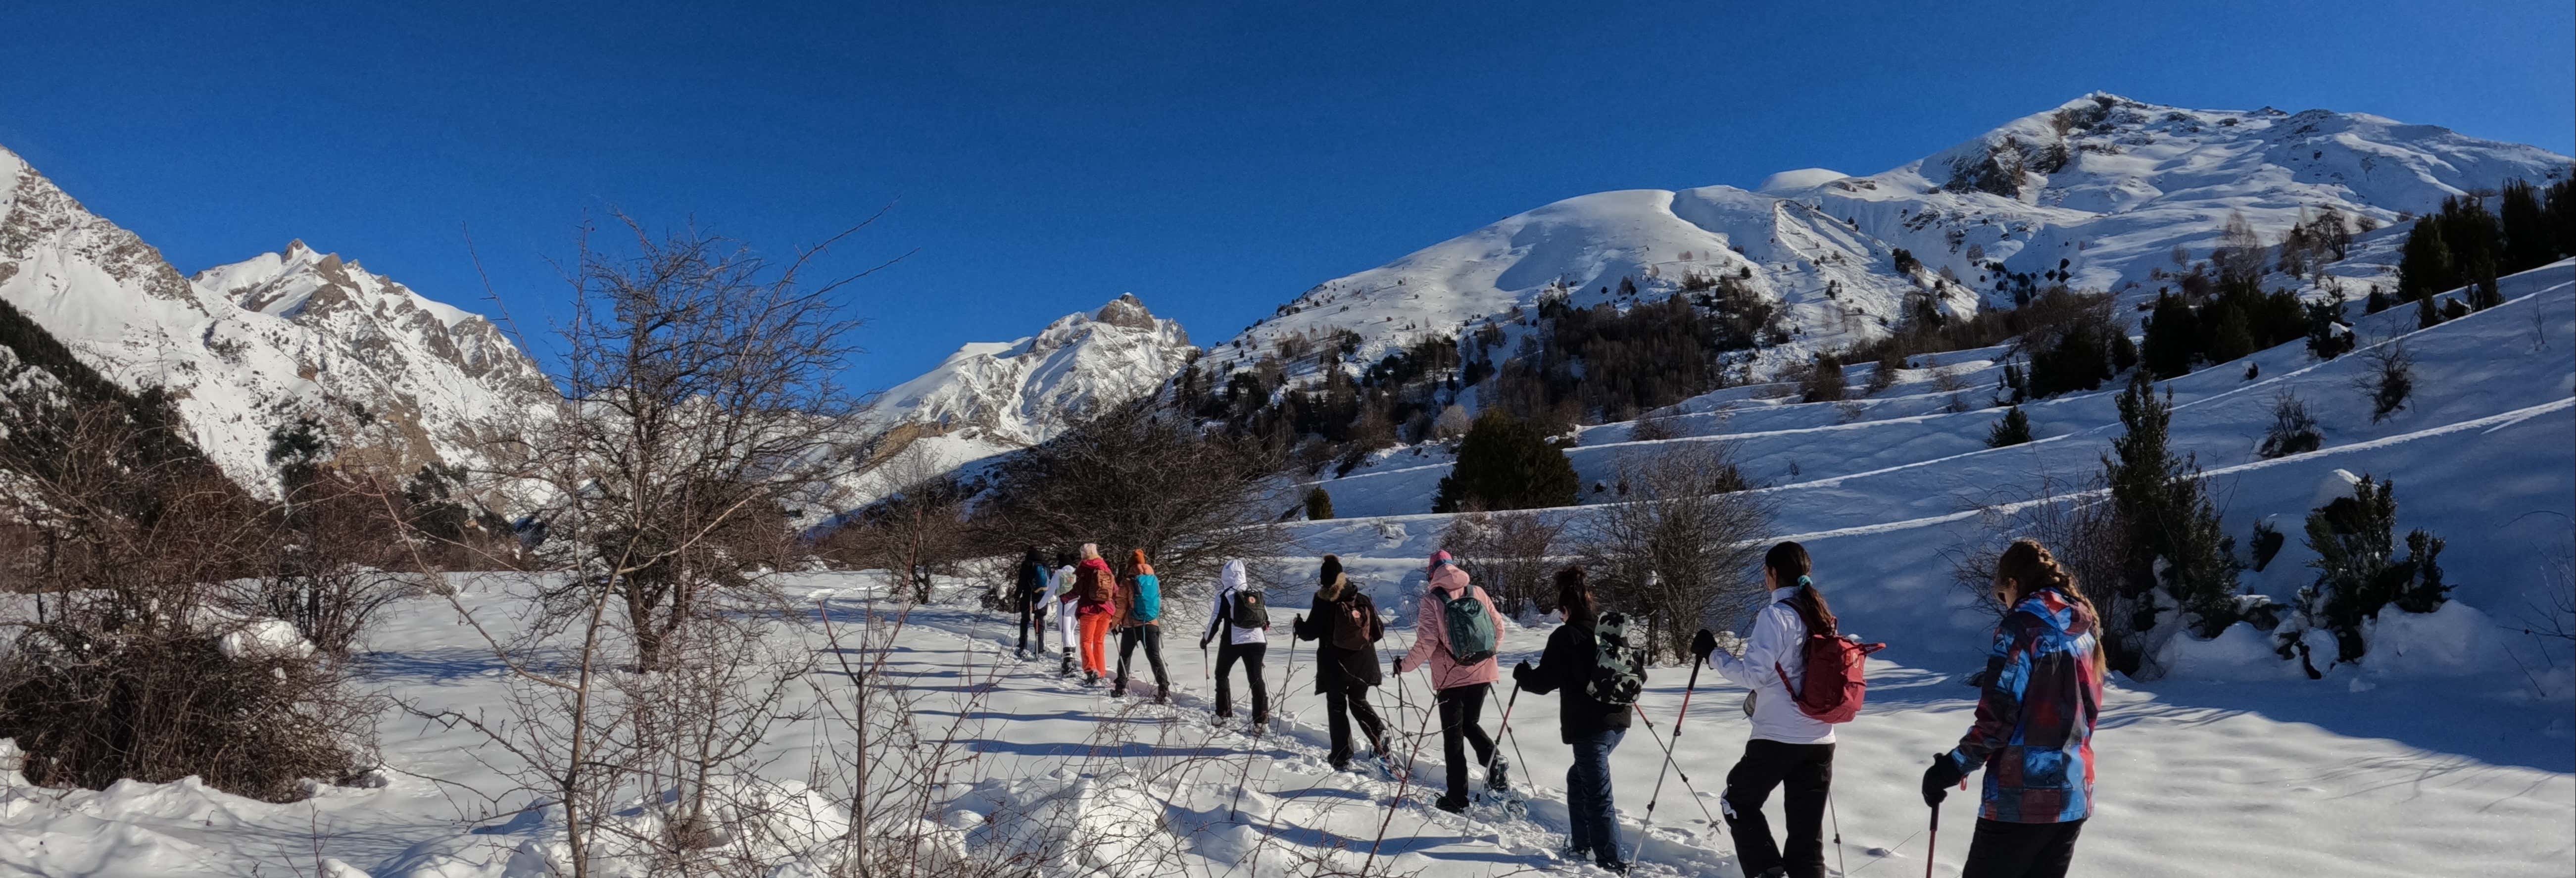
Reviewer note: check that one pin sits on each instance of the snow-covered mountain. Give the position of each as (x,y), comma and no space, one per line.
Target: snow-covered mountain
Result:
(2109,185)
(250,347)
(989,398)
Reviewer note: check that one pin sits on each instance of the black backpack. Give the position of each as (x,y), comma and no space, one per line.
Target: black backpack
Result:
(1249,608)
(1618,663)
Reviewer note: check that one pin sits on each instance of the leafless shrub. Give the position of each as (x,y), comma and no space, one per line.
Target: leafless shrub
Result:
(1682,550)
(1655,427)
(1508,554)
(121,659)
(2387,377)
(2077,523)
(915,530)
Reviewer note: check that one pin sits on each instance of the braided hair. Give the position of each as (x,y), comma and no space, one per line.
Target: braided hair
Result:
(2026,566)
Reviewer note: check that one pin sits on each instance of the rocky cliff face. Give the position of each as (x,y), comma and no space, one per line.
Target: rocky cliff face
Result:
(249,348)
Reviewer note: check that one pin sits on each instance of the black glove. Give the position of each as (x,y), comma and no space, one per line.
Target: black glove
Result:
(1203,641)
(1702,644)
(1396,664)
(1521,674)
(1938,780)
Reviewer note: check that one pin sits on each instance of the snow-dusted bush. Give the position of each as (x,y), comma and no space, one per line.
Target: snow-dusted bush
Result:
(2359,573)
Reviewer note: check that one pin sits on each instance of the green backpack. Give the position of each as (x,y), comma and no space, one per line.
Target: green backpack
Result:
(1471,630)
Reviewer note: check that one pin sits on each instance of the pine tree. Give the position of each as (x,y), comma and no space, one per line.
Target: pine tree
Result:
(2014,429)
(2328,335)
(2171,328)
(1319,504)
(2358,573)
(2484,293)
(1505,463)
(2528,239)
(2428,313)
(2174,540)
(2424,266)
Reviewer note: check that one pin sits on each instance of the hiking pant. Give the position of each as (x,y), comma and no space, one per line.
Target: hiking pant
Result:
(2021,850)
(1067,631)
(1250,655)
(1152,638)
(1460,708)
(1803,772)
(1591,822)
(1346,700)
(1095,643)
(1031,616)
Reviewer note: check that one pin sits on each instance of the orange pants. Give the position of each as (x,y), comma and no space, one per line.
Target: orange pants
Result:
(1095,643)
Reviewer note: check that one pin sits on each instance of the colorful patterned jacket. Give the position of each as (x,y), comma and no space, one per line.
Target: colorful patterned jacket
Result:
(2034,731)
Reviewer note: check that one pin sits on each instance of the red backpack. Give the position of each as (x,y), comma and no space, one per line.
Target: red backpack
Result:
(1833,686)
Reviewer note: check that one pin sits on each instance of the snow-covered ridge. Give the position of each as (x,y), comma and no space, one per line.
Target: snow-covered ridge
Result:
(248,347)
(2109,185)
(1029,390)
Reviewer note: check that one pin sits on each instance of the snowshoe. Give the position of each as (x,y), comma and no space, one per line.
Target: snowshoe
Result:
(1510,804)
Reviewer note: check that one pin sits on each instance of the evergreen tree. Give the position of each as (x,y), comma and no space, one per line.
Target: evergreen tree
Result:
(2358,571)
(2229,338)
(2528,239)
(1825,381)
(2328,335)
(2484,293)
(2124,352)
(1319,504)
(2428,313)
(2170,331)
(2174,541)
(2424,266)
(1505,463)
(2014,429)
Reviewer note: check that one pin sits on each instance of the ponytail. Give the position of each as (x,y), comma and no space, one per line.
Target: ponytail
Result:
(1574,599)
(1790,565)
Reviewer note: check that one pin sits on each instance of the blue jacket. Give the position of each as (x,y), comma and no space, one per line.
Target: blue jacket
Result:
(2034,731)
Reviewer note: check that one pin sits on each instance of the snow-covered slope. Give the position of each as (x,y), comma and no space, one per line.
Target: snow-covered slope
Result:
(248,347)
(2112,185)
(989,398)
(2107,184)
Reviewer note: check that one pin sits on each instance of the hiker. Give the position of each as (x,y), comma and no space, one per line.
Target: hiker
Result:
(1067,629)
(1789,749)
(1346,629)
(1574,665)
(2034,727)
(1141,598)
(1457,632)
(1033,585)
(1095,592)
(1243,616)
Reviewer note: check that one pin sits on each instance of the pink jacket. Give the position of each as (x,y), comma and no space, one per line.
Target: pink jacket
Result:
(1431,635)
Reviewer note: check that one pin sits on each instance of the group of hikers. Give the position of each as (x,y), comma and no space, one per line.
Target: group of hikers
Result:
(2040,693)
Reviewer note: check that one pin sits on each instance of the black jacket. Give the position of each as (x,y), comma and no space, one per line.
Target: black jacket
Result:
(1565,667)
(1032,575)
(1334,665)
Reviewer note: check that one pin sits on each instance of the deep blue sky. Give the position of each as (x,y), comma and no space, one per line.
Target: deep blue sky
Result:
(1214,161)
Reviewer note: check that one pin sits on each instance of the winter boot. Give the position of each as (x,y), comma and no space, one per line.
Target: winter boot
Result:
(1498,778)
(1118,688)
(1090,680)
(1068,664)
(1570,853)
(1163,693)
(1261,718)
(1453,806)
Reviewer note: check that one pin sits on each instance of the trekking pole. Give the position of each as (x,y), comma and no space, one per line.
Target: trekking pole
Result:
(1932,848)
(1674,765)
(1506,731)
(1840,864)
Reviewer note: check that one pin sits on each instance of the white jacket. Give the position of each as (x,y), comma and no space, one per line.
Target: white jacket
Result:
(1227,583)
(1778,638)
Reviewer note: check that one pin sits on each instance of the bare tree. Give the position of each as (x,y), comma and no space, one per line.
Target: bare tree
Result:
(1508,552)
(2076,521)
(705,421)
(1682,552)
(1137,477)
(915,530)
